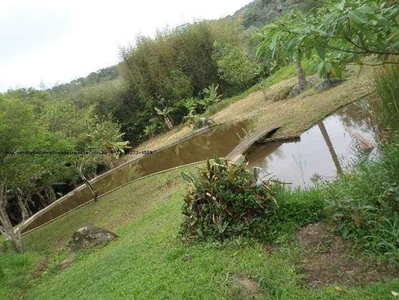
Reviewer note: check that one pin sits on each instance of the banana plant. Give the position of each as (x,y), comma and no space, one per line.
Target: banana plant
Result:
(164,113)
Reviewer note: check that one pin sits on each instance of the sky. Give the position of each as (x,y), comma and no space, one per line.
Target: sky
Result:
(49,42)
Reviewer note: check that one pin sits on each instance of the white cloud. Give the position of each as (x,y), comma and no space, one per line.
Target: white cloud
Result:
(57,41)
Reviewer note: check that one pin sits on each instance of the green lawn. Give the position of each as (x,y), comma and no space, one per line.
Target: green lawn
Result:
(149,262)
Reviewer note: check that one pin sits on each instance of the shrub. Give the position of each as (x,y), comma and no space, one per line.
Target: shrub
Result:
(365,205)
(225,201)
(210,97)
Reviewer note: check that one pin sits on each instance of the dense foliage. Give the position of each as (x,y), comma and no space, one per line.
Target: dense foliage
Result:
(341,32)
(226,201)
(261,12)
(179,65)
(42,143)
(386,81)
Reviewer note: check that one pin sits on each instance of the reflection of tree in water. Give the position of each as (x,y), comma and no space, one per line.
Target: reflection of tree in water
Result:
(358,116)
(330,146)
(215,143)
(301,165)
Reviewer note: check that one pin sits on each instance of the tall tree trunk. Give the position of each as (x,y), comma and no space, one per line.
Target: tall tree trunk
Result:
(42,200)
(299,71)
(88,184)
(6,228)
(327,139)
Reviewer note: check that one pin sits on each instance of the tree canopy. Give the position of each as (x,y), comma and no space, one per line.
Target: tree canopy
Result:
(343,32)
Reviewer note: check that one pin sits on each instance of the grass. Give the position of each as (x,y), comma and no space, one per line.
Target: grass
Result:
(13,273)
(149,262)
(386,82)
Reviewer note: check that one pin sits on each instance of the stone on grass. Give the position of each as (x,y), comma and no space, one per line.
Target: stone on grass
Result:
(90,236)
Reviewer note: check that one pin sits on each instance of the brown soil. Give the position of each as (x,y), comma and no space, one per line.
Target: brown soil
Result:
(327,260)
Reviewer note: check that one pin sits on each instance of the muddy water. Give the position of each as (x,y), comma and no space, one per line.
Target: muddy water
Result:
(215,142)
(325,150)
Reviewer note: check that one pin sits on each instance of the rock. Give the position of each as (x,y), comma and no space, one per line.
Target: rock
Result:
(65,263)
(90,236)
(295,91)
(327,84)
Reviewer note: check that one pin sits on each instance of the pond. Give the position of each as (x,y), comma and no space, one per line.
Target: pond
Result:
(322,152)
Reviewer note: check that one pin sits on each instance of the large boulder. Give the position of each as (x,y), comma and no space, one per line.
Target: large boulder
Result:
(90,236)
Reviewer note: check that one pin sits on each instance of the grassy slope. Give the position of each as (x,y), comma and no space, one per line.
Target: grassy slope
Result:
(147,261)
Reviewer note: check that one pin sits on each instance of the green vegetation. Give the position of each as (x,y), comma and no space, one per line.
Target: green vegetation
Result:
(388,113)
(225,202)
(13,273)
(261,12)
(148,261)
(53,130)
(338,34)
(247,238)
(365,204)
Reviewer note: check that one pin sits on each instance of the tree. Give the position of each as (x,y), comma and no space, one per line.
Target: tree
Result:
(352,30)
(93,140)
(234,66)
(336,35)
(19,171)
(281,43)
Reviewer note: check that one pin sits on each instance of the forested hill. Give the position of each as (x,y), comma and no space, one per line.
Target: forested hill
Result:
(261,12)
(94,78)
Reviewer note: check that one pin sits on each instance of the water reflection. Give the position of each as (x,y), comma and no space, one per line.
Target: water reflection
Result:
(322,152)
(330,146)
(217,142)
